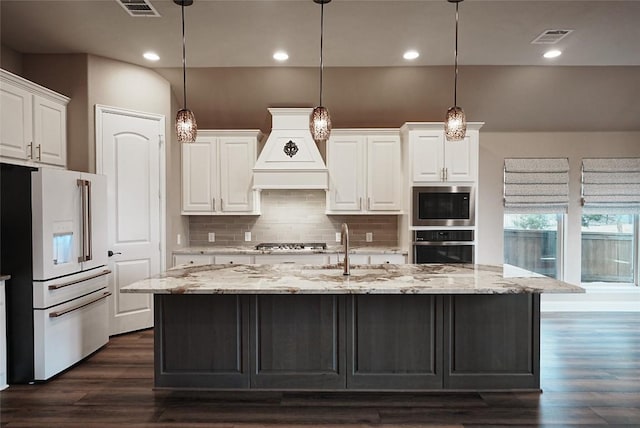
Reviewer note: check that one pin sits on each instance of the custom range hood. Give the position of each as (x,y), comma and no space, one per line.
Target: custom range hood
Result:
(290,158)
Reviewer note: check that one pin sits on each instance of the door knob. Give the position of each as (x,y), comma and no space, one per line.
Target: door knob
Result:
(111,253)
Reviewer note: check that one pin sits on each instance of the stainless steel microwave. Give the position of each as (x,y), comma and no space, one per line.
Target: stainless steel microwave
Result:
(444,206)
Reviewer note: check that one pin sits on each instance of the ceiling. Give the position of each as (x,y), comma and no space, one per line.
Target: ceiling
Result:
(371,33)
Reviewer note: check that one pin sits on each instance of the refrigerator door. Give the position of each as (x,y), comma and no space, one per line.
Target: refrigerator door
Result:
(95,221)
(57,223)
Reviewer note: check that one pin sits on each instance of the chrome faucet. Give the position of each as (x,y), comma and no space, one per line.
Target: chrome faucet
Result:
(344,239)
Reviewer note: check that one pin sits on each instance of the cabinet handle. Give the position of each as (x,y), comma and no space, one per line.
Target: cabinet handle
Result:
(369,203)
(360,204)
(214,204)
(446,174)
(30,150)
(39,148)
(221,204)
(442,174)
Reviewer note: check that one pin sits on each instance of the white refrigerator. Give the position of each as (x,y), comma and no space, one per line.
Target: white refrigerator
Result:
(57,297)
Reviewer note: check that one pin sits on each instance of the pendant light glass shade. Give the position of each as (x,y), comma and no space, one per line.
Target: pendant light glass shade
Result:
(455,123)
(320,124)
(320,121)
(186,127)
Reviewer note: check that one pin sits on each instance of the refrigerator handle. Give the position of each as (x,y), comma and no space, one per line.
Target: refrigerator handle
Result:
(83,226)
(89,254)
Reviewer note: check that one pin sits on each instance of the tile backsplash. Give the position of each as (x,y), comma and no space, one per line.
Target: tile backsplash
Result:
(292,216)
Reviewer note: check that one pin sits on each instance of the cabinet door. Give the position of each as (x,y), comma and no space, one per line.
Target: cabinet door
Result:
(384,175)
(237,157)
(199,176)
(15,122)
(345,161)
(427,155)
(460,160)
(49,131)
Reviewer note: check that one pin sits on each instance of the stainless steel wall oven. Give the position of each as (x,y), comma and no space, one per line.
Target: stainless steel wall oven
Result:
(443,246)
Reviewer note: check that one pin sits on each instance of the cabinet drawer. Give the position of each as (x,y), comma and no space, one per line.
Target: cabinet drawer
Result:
(232,259)
(67,333)
(192,259)
(309,259)
(395,259)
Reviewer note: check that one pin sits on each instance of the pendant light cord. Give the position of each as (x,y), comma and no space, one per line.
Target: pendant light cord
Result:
(455,82)
(184,60)
(321,45)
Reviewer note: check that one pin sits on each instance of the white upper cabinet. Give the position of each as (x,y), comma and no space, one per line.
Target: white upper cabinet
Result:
(434,159)
(365,174)
(217,173)
(33,122)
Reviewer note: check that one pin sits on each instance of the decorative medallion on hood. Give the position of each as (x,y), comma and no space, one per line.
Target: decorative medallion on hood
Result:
(290,158)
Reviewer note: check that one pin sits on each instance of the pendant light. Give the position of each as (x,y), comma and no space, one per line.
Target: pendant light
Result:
(186,127)
(320,121)
(455,124)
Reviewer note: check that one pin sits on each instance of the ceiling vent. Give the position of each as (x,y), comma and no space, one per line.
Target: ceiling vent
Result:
(550,37)
(138,8)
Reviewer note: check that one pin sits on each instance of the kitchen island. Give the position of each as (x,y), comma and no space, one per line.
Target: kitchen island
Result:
(384,327)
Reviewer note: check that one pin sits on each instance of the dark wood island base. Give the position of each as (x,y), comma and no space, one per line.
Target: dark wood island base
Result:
(372,342)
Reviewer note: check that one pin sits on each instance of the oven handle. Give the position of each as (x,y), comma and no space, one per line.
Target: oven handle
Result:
(66,284)
(442,243)
(75,308)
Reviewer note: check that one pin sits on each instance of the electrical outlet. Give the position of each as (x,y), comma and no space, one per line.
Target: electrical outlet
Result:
(212,237)
(247,236)
(338,237)
(178,239)
(369,237)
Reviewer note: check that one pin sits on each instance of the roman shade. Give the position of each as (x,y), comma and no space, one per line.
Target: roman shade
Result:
(611,185)
(539,185)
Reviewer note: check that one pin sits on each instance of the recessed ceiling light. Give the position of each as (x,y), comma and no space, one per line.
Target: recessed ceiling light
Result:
(552,54)
(411,55)
(281,56)
(151,56)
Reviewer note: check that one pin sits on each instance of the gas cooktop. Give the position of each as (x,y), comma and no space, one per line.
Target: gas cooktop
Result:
(301,246)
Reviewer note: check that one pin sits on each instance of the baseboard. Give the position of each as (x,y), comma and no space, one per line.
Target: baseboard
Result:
(598,298)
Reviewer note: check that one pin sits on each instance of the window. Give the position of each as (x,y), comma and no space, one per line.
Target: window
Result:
(531,242)
(536,198)
(608,243)
(611,206)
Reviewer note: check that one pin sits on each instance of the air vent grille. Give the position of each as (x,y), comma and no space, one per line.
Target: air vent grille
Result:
(550,37)
(138,8)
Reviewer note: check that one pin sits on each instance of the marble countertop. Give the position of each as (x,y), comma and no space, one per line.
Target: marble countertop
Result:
(251,250)
(364,279)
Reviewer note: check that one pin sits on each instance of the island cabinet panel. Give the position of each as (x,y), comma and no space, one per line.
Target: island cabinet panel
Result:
(203,341)
(297,342)
(492,341)
(394,342)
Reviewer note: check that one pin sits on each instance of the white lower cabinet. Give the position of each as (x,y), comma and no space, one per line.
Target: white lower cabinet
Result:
(381,259)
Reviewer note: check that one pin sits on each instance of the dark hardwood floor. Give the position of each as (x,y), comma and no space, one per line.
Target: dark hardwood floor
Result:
(590,372)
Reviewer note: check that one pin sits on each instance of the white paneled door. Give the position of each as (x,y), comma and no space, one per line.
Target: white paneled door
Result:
(129,151)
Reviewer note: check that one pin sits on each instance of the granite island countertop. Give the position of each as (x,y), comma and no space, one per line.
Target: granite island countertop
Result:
(335,249)
(364,279)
